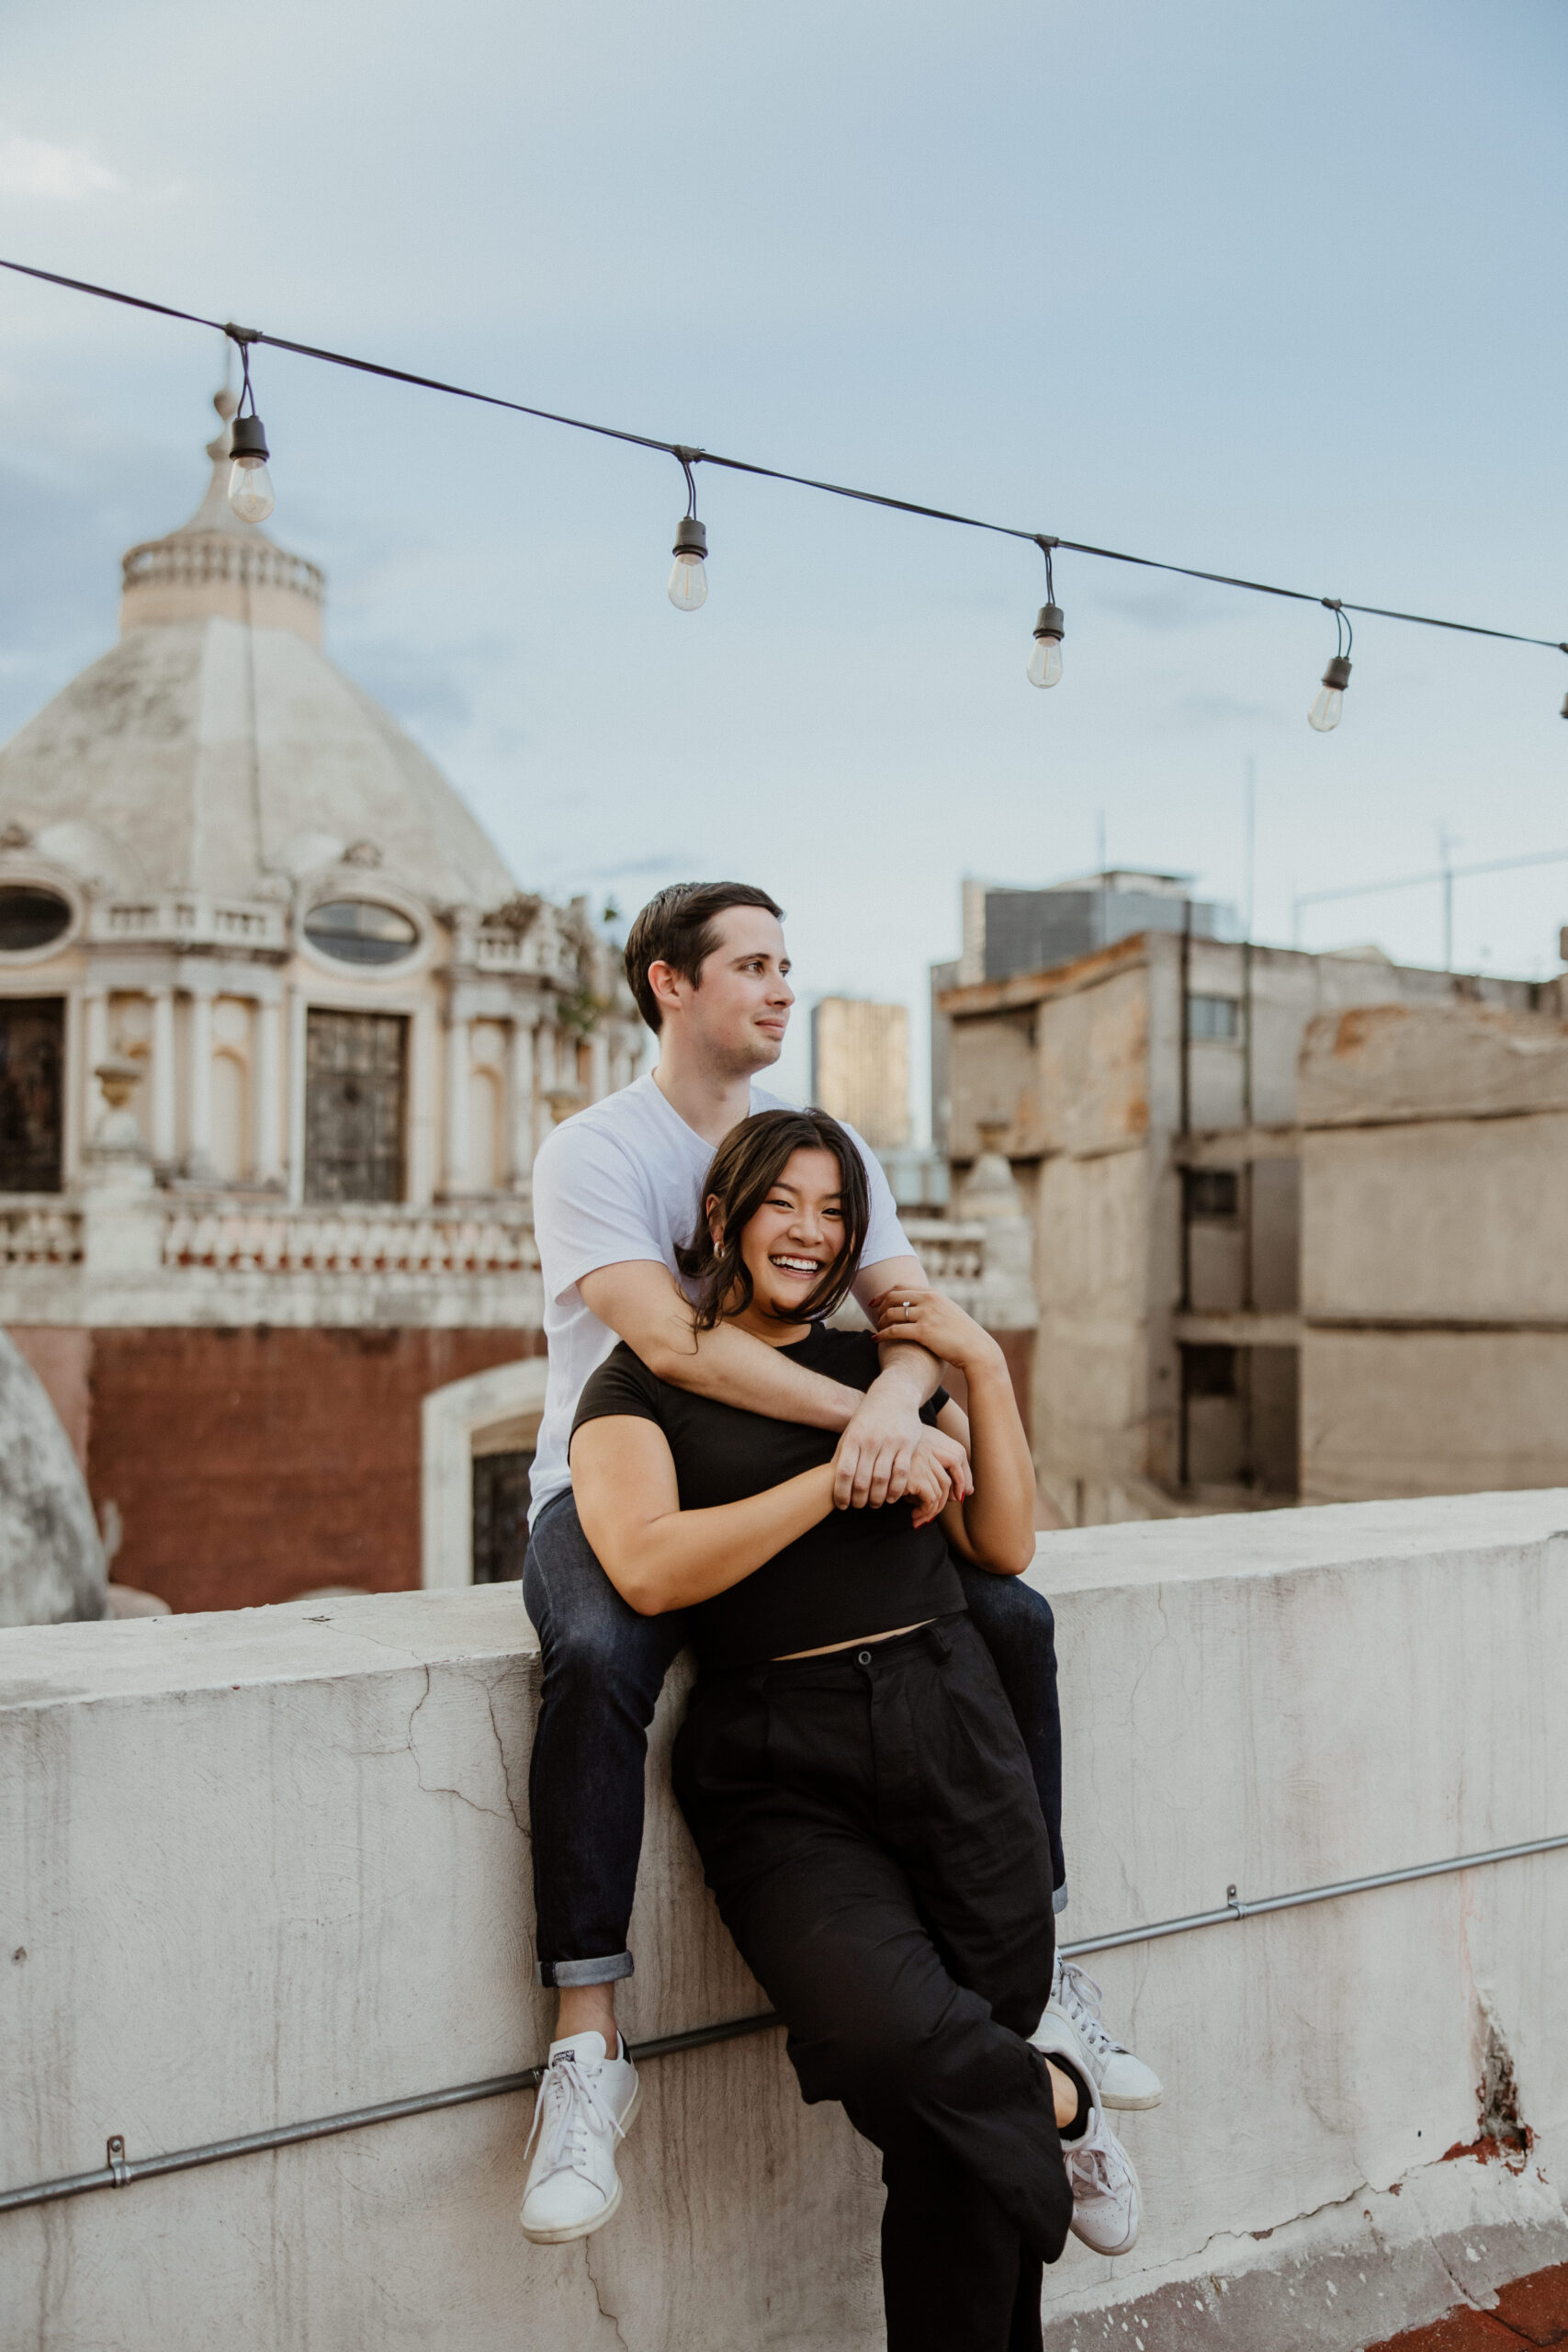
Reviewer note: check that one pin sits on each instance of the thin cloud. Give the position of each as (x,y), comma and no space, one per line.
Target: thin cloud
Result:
(39,168)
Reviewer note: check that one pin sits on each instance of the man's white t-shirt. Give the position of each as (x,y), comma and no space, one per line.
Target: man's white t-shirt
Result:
(623,1181)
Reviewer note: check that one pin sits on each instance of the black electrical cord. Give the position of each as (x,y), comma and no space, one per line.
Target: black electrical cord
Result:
(687,456)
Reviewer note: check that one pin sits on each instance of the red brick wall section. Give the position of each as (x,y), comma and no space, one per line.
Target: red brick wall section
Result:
(250,1465)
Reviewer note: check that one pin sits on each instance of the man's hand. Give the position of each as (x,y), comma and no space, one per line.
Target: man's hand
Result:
(939,1473)
(876,1457)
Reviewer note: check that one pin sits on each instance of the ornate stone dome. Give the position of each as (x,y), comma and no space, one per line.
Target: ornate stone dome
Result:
(215,750)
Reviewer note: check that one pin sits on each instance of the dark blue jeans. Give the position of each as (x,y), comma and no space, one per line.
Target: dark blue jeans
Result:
(604,1666)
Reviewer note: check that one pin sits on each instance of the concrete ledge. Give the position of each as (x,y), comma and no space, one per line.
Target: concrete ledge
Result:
(265,1865)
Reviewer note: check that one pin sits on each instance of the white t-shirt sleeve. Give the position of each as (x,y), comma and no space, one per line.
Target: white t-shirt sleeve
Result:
(884,1236)
(592,1207)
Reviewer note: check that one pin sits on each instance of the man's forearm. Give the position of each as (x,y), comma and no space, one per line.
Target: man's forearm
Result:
(739,1370)
(906,1366)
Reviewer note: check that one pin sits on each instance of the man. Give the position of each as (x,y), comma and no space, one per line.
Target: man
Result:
(616,1190)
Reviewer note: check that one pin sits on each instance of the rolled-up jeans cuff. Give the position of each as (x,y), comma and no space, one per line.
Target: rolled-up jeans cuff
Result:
(563,1974)
(1059,1899)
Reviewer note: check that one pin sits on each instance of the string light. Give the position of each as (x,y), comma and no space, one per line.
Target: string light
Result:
(690,540)
(1045,663)
(1329,706)
(688,577)
(250,484)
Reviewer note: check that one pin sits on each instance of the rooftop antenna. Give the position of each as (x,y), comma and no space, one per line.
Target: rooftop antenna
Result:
(1250,854)
(1447,844)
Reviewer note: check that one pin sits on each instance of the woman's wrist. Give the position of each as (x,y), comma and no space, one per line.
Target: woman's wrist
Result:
(984,1362)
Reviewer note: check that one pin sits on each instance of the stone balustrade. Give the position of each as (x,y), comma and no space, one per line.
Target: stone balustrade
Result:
(121,1257)
(190,919)
(197,558)
(39,1231)
(349,1240)
(268,1866)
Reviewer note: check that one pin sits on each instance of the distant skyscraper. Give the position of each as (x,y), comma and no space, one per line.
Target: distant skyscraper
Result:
(860,1067)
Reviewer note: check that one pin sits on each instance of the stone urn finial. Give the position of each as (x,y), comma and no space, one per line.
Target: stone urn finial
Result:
(115,1153)
(991,1189)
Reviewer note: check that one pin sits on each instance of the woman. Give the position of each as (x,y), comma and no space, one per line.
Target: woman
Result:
(848,1765)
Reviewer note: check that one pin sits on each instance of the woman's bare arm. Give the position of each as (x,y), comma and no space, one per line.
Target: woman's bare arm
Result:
(995,1528)
(658,1556)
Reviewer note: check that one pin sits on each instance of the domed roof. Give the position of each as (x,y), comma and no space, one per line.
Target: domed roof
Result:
(216,750)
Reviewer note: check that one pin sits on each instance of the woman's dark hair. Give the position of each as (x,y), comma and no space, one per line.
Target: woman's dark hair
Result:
(679,928)
(746,1167)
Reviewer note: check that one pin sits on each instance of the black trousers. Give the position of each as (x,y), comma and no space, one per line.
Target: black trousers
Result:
(870,1826)
(604,1668)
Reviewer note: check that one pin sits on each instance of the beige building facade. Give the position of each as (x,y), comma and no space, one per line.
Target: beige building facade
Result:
(860,1067)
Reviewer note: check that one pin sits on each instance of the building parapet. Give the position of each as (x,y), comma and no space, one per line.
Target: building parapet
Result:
(280,1858)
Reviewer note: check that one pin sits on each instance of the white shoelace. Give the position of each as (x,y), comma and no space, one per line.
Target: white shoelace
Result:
(574,2106)
(1095,2158)
(1081,1997)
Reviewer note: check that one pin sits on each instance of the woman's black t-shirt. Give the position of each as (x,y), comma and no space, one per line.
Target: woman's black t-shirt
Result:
(856,1572)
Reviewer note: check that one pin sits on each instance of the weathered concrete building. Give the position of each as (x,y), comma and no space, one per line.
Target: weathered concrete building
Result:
(1434,1250)
(1146,1097)
(278,1035)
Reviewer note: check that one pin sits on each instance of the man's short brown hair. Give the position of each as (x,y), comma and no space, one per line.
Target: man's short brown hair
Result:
(677,928)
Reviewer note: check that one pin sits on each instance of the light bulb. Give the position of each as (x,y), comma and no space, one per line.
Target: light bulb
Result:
(1045,661)
(250,485)
(688,577)
(250,490)
(1329,706)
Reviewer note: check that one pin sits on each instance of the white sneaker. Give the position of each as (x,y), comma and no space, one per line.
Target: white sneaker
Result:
(582,2107)
(1106,2198)
(1120,2079)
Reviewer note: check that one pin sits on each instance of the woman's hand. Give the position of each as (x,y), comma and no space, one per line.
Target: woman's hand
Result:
(933,1322)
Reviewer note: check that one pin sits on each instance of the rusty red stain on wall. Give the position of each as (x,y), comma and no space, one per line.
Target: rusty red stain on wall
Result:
(1531,2311)
(1363,1023)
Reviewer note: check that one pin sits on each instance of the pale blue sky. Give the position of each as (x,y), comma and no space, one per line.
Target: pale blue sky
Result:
(1262,289)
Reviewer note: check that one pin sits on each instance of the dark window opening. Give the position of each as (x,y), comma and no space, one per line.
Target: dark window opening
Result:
(355,931)
(1212,1192)
(355,1088)
(1213,1016)
(31,917)
(501,1515)
(33,1059)
(1208,1371)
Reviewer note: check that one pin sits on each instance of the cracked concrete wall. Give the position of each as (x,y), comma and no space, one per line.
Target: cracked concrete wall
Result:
(270,1863)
